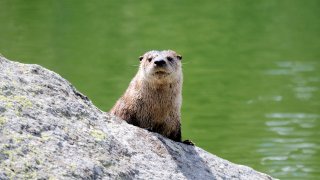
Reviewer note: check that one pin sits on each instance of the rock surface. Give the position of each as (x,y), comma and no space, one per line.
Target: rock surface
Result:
(49,130)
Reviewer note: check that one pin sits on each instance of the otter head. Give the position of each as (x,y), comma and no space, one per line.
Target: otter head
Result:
(161,66)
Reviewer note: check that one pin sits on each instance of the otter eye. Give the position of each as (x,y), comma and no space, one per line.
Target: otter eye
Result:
(150,59)
(169,58)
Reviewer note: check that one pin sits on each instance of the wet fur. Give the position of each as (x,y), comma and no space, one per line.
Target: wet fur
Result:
(151,102)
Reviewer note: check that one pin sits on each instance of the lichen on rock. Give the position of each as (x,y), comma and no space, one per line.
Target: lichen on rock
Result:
(49,130)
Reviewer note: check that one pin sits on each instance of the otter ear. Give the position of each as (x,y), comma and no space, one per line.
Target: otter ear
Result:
(140,58)
(179,57)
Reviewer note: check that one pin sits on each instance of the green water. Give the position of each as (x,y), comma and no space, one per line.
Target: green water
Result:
(251,68)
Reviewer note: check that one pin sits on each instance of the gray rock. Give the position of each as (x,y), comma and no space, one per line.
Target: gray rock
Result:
(50,130)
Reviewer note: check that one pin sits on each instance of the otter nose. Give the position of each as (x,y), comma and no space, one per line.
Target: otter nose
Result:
(160,62)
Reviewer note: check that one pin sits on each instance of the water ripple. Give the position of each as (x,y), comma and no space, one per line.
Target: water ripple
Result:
(298,72)
(291,146)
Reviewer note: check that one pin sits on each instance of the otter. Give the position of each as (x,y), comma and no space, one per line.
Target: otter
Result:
(153,98)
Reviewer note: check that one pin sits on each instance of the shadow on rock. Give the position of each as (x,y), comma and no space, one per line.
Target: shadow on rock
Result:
(188,161)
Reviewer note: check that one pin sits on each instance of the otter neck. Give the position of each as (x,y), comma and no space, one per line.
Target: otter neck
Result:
(174,86)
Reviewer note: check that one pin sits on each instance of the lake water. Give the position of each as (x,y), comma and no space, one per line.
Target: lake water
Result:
(251,68)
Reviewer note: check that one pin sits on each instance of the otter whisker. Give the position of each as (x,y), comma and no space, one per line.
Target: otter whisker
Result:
(185,63)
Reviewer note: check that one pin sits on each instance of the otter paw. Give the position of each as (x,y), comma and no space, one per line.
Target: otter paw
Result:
(188,142)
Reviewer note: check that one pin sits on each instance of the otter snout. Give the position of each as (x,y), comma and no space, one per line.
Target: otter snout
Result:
(160,63)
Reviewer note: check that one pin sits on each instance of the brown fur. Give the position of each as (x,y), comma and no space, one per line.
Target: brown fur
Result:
(153,98)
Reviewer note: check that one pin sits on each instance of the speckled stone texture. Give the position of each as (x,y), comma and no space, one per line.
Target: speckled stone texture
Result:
(49,130)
